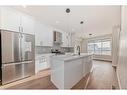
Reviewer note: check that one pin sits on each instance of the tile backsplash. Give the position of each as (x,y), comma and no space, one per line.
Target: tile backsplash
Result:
(47,49)
(42,49)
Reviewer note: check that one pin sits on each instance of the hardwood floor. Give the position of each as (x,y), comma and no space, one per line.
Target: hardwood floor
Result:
(100,78)
(41,83)
(28,81)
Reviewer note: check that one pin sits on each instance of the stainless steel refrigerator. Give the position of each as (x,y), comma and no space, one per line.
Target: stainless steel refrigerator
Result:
(17,56)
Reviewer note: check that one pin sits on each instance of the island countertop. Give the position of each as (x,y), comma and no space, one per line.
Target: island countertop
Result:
(68,57)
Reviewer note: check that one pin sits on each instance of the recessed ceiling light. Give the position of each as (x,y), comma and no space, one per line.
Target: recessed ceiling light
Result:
(68,10)
(81,22)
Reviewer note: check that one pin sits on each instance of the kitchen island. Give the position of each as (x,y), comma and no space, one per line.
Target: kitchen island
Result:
(68,70)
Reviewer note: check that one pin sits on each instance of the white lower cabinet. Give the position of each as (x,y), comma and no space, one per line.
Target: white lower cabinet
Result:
(73,73)
(87,65)
(42,62)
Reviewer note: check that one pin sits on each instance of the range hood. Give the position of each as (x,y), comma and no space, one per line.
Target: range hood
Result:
(57,37)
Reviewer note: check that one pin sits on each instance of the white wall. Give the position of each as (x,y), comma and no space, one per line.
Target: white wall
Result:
(122,61)
(115,45)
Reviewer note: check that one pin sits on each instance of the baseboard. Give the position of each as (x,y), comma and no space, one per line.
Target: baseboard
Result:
(103,60)
(88,77)
(118,80)
(87,82)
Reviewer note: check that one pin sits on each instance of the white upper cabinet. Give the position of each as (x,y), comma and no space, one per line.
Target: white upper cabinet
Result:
(43,35)
(9,19)
(14,20)
(66,39)
(70,39)
(27,24)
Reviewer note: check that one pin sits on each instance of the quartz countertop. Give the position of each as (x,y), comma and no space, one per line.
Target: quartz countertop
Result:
(37,56)
(68,57)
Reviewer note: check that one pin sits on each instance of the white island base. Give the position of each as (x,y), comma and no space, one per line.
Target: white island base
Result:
(68,70)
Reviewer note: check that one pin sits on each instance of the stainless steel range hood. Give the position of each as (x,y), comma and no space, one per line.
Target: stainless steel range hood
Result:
(57,37)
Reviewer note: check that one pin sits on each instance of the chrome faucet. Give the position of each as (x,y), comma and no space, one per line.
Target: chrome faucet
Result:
(78,48)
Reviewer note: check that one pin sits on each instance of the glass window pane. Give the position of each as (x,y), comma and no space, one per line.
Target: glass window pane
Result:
(106,48)
(97,46)
(97,52)
(106,52)
(90,47)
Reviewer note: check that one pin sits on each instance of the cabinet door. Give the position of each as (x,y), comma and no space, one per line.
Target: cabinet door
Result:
(36,66)
(73,73)
(38,34)
(48,37)
(87,65)
(65,39)
(10,19)
(43,35)
(69,39)
(48,60)
(27,24)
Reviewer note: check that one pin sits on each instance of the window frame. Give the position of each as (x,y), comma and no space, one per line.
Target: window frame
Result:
(101,51)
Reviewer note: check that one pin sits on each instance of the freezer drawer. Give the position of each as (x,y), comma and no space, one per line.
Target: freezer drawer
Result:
(29,68)
(15,71)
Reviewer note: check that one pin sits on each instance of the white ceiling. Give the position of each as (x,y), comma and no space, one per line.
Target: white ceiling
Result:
(98,20)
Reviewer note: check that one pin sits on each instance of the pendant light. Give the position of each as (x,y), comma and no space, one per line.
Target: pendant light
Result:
(82,29)
(68,13)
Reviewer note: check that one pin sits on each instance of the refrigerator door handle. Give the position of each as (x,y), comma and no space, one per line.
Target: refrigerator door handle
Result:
(22,29)
(9,64)
(20,47)
(19,29)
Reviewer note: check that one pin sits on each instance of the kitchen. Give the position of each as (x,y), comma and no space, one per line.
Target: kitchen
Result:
(54,47)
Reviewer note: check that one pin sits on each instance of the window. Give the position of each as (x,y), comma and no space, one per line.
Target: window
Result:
(100,47)
(97,47)
(106,48)
(91,47)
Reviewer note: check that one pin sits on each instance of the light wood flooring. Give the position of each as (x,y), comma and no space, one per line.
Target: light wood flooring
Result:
(102,75)
(100,78)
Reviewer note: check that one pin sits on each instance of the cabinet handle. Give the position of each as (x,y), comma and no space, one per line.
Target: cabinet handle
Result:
(22,29)
(19,28)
